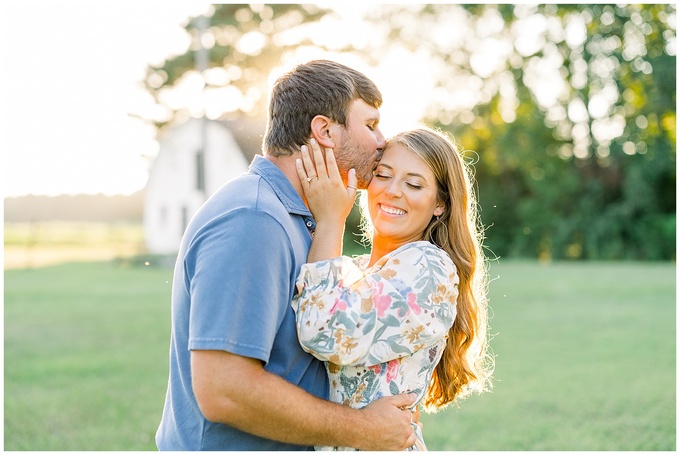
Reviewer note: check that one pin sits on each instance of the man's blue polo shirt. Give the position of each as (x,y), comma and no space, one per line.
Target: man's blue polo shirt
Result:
(233,283)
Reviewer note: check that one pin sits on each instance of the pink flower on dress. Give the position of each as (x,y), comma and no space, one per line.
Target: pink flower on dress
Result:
(339,305)
(376,368)
(392,370)
(382,302)
(411,299)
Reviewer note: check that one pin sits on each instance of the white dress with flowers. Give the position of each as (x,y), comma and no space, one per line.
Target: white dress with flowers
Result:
(381,330)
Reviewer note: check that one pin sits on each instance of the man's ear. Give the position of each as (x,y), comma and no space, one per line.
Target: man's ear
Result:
(321,131)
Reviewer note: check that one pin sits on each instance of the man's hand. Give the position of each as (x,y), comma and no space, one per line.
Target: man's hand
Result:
(415,417)
(388,424)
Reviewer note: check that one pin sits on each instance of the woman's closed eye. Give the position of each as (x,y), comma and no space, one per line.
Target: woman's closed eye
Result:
(381,175)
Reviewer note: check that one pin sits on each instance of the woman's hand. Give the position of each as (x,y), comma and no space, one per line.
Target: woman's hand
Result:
(327,198)
(323,188)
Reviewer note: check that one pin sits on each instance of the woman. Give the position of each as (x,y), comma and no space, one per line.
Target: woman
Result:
(410,316)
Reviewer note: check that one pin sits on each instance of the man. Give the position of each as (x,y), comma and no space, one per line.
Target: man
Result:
(239,379)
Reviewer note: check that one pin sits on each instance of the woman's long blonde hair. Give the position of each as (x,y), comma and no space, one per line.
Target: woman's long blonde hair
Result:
(466,364)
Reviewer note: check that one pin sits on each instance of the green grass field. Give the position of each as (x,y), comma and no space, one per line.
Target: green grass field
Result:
(39,244)
(585,359)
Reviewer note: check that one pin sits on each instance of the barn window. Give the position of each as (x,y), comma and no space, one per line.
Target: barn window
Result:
(185,219)
(200,170)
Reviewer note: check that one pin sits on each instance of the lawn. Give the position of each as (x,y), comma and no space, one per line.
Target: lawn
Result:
(38,244)
(585,359)
(85,356)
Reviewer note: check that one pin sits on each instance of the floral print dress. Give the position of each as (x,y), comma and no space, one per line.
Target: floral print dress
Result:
(381,330)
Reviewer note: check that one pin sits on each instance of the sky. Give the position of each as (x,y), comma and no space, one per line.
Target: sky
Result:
(71,77)
(71,86)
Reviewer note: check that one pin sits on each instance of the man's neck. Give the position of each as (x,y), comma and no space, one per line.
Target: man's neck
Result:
(287,165)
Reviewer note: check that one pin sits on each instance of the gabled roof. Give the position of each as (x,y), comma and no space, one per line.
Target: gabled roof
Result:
(248,132)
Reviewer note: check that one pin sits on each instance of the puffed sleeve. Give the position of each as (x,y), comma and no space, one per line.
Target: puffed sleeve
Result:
(404,303)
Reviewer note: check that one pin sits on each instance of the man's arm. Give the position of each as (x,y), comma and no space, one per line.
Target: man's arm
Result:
(237,391)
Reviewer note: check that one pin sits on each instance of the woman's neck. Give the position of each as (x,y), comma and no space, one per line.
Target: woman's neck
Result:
(381,247)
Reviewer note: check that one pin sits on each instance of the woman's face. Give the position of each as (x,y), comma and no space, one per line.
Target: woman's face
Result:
(402,197)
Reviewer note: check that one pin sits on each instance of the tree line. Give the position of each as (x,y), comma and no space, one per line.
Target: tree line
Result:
(570,121)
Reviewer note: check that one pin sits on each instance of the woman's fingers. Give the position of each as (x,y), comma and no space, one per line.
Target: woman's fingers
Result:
(319,159)
(326,168)
(310,172)
(332,166)
(325,193)
(352,182)
(300,167)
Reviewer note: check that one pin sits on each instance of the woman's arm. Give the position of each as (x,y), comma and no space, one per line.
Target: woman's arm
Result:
(347,318)
(327,198)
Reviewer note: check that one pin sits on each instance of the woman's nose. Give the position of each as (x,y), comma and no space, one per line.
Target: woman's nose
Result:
(393,189)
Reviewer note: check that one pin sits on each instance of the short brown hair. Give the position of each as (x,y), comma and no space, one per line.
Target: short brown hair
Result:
(319,87)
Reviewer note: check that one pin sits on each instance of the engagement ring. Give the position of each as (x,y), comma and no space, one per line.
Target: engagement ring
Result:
(309,179)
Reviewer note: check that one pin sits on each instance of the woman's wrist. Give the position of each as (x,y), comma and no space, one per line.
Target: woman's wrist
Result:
(327,243)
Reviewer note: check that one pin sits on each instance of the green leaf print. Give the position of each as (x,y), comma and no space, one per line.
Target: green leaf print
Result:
(394,389)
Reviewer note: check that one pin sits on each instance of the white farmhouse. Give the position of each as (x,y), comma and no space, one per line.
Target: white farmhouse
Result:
(195,159)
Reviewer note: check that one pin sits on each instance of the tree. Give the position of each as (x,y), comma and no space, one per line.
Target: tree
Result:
(568,111)
(234,48)
(573,121)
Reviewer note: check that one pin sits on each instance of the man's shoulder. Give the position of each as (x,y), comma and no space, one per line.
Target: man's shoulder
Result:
(247,204)
(246,194)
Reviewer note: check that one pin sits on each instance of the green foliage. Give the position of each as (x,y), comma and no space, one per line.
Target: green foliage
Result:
(575,131)
(219,34)
(554,184)
(585,359)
